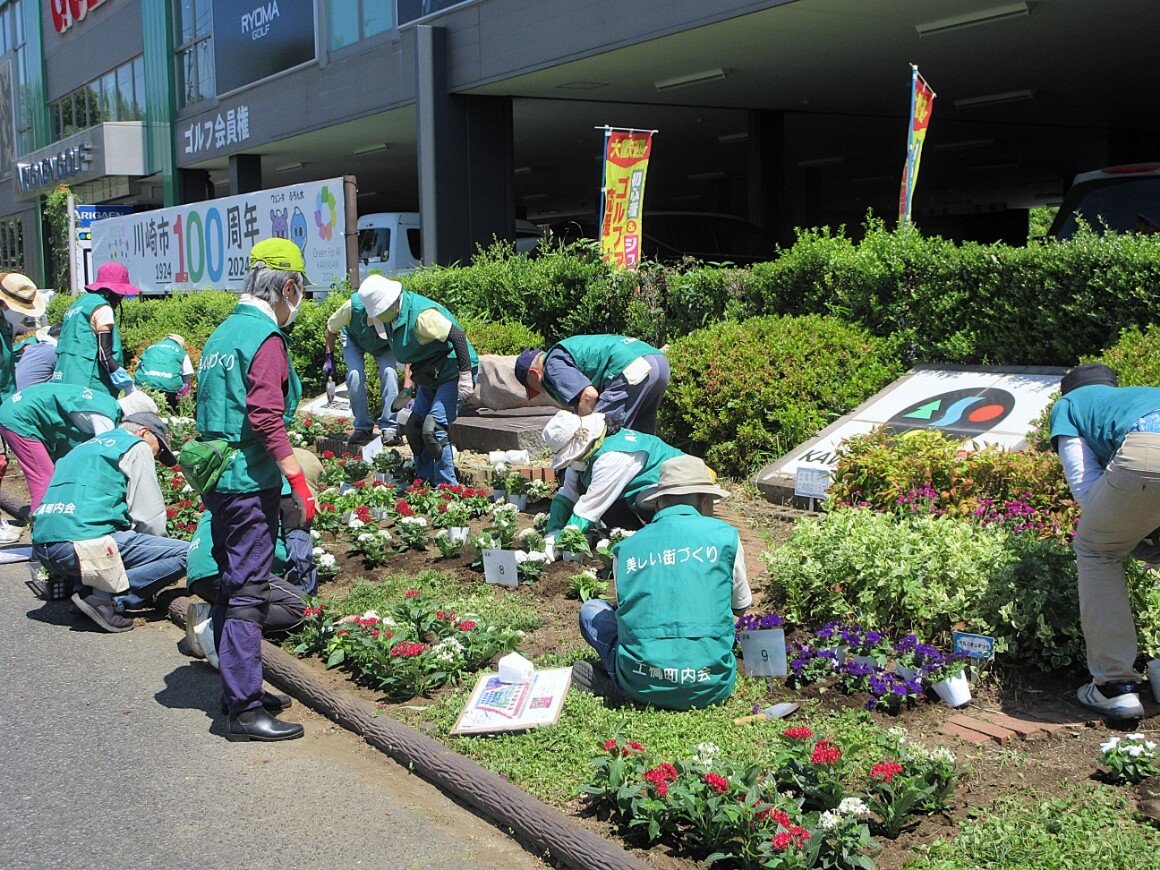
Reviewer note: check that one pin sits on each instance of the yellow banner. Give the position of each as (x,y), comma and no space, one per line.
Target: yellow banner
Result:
(626,156)
(921,102)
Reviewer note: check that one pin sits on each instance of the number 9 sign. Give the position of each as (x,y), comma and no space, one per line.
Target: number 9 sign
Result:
(764,652)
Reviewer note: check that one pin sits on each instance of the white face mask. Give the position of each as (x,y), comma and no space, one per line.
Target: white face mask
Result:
(293,310)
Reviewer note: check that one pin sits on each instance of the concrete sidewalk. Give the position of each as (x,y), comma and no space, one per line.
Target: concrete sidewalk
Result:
(112,753)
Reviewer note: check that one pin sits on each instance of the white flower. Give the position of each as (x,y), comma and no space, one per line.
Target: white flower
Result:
(1110,745)
(316,535)
(388,622)
(703,753)
(187,488)
(413,521)
(941,753)
(327,562)
(500,467)
(371,614)
(603,544)
(829,820)
(853,806)
(1136,736)
(442,533)
(1135,751)
(355,523)
(527,533)
(537,556)
(318,551)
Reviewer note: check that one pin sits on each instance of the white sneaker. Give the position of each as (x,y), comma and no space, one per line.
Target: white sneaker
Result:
(1114,700)
(9,534)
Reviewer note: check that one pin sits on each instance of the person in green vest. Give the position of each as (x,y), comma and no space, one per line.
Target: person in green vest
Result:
(351,324)
(44,422)
(680,581)
(247,391)
(89,351)
(165,367)
(442,366)
(605,473)
(622,378)
(19,300)
(102,522)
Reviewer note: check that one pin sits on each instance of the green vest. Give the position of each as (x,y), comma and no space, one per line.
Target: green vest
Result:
(628,441)
(674,590)
(361,331)
(76,349)
(222,379)
(43,412)
(405,342)
(160,367)
(600,358)
(86,498)
(200,562)
(7,363)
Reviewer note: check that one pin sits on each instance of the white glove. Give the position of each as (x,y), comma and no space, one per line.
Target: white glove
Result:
(466,385)
(550,548)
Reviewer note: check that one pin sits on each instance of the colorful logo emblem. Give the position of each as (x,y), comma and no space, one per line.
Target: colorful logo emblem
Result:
(325,213)
(960,413)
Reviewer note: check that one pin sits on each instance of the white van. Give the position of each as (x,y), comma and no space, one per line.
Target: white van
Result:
(389,242)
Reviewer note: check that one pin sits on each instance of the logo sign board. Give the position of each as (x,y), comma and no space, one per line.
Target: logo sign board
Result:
(207,244)
(977,646)
(254,40)
(66,13)
(65,164)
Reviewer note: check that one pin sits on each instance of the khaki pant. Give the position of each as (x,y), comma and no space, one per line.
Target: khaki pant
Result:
(1123,507)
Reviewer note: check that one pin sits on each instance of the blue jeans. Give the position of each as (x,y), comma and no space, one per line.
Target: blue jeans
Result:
(441,402)
(151,563)
(354,357)
(598,626)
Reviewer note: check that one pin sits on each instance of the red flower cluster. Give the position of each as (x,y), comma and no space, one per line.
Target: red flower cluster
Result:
(802,733)
(413,593)
(407,649)
(403,508)
(717,782)
(312,611)
(825,752)
(467,625)
(326,454)
(660,777)
(628,749)
(793,835)
(886,771)
(362,513)
(367,622)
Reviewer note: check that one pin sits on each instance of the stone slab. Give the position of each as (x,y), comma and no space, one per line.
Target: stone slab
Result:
(963,733)
(996,732)
(483,430)
(1024,728)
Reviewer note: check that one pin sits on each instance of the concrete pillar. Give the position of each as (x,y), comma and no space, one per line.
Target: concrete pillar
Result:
(465,159)
(245,173)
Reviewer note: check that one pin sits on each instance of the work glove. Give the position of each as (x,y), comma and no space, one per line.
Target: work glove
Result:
(466,385)
(559,513)
(301,491)
(328,364)
(121,380)
(404,399)
(550,548)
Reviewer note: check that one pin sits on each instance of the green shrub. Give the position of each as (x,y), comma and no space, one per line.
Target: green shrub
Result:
(742,393)
(932,574)
(500,337)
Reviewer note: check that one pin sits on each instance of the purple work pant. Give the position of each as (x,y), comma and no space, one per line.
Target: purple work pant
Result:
(35,462)
(244,526)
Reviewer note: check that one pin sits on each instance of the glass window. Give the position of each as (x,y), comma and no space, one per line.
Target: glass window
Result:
(187,17)
(126,109)
(139,88)
(194,51)
(341,23)
(378,16)
(109,97)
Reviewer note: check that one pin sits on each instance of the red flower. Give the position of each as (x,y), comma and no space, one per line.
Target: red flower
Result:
(170,513)
(413,593)
(403,508)
(825,752)
(793,836)
(406,649)
(327,454)
(717,782)
(467,625)
(802,733)
(670,772)
(659,778)
(886,771)
(610,744)
(312,611)
(634,746)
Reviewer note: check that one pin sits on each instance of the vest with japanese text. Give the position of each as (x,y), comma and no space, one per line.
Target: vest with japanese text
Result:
(86,498)
(160,367)
(76,349)
(407,347)
(222,379)
(629,441)
(674,590)
(43,412)
(600,357)
(362,332)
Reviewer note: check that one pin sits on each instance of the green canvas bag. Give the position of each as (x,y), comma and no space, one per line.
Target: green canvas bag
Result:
(202,462)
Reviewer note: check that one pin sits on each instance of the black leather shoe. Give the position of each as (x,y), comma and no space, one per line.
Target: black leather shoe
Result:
(271,703)
(257,724)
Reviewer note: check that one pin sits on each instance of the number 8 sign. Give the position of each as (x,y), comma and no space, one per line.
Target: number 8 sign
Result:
(499,567)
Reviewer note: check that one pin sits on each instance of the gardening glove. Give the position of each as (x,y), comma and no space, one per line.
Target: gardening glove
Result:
(121,380)
(466,385)
(559,513)
(328,363)
(550,547)
(404,399)
(302,491)
(580,523)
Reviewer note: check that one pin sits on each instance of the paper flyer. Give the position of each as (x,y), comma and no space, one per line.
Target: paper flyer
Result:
(499,706)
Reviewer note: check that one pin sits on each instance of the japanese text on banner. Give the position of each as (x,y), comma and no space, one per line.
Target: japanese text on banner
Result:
(626,157)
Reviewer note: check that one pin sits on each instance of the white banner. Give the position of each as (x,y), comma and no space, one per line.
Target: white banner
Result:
(207,244)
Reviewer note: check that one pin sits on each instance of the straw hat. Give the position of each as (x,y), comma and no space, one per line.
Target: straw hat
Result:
(570,436)
(20,294)
(683,475)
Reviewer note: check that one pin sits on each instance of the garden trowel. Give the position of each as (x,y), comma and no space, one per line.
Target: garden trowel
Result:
(775,711)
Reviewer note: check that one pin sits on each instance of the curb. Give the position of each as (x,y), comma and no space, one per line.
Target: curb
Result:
(534,822)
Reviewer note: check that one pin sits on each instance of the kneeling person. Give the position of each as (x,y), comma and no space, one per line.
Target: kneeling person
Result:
(679,582)
(102,522)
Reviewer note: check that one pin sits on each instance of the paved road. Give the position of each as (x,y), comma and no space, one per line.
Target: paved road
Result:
(112,754)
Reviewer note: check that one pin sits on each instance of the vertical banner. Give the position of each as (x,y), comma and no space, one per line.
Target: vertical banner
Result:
(626,154)
(921,102)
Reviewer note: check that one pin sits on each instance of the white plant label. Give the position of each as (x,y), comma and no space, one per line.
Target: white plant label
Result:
(499,567)
(764,652)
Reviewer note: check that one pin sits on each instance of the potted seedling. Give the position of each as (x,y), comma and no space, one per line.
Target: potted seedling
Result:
(517,486)
(573,544)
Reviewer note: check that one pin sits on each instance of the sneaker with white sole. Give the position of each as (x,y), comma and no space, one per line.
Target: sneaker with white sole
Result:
(1114,700)
(203,632)
(196,612)
(9,534)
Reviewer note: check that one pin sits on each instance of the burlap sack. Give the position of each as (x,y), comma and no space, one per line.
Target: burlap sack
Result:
(498,389)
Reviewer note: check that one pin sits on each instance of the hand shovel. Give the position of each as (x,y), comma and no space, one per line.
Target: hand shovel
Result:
(330,388)
(776,711)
